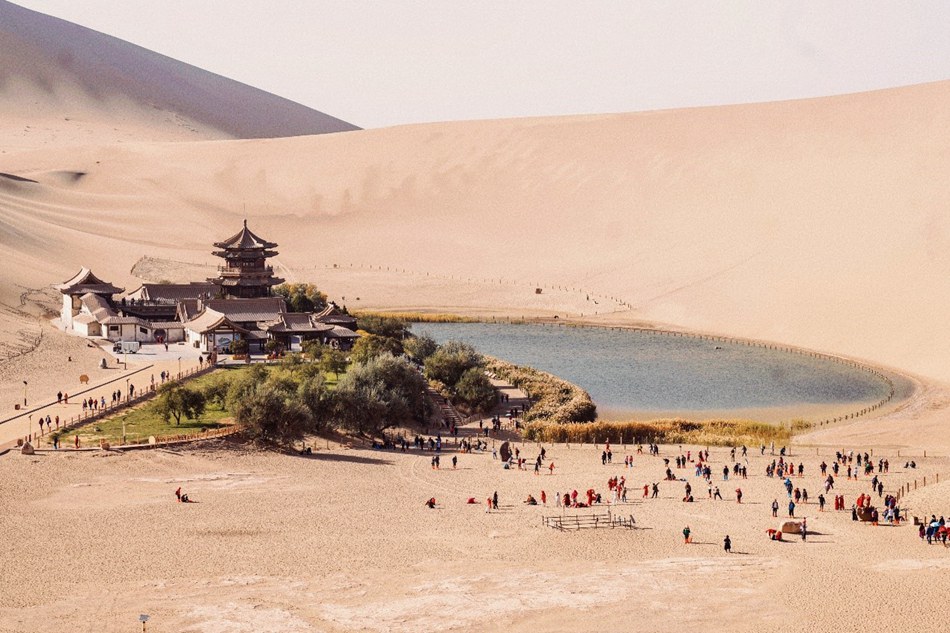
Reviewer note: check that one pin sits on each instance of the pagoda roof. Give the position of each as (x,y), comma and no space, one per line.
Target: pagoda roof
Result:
(334,315)
(212,320)
(85,281)
(173,293)
(249,310)
(245,239)
(297,322)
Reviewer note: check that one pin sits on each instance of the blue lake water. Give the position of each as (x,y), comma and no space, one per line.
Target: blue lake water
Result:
(633,370)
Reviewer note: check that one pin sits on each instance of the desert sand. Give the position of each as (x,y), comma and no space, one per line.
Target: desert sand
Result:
(820,223)
(342,541)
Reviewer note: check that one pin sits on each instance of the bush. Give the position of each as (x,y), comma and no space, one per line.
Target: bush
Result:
(369,346)
(475,390)
(385,326)
(450,361)
(420,347)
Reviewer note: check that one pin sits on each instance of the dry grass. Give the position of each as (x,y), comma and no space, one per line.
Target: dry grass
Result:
(417,317)
(553,400)
(705,433)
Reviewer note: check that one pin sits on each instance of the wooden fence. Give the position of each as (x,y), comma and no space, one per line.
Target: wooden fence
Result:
(582,521)
(128,401)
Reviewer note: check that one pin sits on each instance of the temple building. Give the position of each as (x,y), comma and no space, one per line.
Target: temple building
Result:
(87,302)
(210,315)
(245,273)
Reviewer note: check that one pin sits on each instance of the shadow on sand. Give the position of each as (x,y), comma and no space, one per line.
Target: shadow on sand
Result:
(336,457)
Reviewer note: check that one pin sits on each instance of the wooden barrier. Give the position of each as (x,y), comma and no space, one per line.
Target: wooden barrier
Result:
(584,521)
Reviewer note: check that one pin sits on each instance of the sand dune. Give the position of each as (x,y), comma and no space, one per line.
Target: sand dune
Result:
(63,83)
(821,222)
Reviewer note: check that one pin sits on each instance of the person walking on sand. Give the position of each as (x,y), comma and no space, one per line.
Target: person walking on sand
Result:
(727,544)
(551,468)
(804,528)
(686,535)
(178,494)
(544,498)
(488,505)
(494,500)
(791,509)
(77,441)
(738,495)
(656,490)
(455,461)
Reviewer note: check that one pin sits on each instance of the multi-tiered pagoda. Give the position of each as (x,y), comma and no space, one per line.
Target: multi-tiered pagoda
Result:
(245,274)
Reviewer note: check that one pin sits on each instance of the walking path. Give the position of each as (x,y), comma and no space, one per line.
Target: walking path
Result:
(140,376)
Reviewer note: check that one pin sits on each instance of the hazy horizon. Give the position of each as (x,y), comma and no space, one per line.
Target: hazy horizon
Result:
(381,65)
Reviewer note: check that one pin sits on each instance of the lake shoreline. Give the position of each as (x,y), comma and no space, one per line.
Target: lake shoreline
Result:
(902,386)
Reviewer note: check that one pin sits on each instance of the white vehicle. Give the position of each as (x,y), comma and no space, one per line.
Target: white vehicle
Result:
(126,347)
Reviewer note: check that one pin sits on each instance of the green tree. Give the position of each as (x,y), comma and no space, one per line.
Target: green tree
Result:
(245,384)
(369,346)
(381,393)
(302,297)
(312,392)
(450,361)
(271,414)
(476,391)
(389,327)
(313,348)
(333,361)
(175,401)
(239,346)
(420,347)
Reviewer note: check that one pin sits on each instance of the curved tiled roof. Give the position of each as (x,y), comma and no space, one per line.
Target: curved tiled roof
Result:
(85,281)
(245,239)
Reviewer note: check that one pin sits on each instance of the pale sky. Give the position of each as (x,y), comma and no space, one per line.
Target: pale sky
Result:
(384,63)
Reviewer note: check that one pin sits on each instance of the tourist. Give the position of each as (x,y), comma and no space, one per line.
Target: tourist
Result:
(544,498)
(178,493)
(494,500)
(716,494)
(455,461)
(686,535)
(727,543)
(551,468)
(821,502)
(791,509)
(59,397)
(738,495)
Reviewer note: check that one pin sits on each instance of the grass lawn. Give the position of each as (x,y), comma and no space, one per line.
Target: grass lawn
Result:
(143,421)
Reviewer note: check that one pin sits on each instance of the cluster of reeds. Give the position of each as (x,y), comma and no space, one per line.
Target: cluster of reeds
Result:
(674,431)
(553,400)
(418,317)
